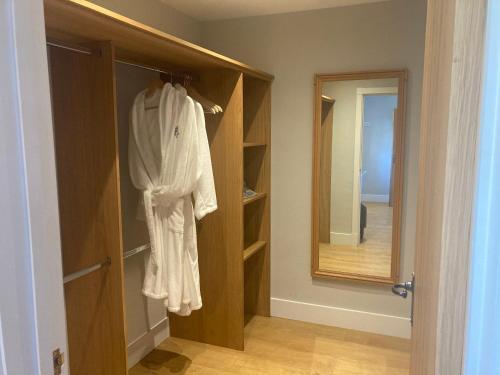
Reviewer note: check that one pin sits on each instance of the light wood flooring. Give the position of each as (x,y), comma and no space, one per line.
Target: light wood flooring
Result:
(373,256)
(275,346)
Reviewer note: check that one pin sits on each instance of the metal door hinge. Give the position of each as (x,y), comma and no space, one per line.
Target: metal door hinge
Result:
(58,360)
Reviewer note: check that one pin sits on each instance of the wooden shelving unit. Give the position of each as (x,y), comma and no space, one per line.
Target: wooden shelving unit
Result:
(256,216)
(232,288)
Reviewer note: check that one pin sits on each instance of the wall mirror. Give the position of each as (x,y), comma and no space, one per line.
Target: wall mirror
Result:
(358,175)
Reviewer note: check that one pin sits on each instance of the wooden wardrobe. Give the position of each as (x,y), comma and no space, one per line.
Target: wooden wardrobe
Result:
(85,42)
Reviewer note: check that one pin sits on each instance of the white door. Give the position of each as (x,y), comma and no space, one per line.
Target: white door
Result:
(32,315)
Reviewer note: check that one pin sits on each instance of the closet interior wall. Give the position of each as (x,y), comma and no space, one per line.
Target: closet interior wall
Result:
(146,318)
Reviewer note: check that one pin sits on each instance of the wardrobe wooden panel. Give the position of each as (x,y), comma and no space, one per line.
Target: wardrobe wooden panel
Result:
(82,21)
(325,166)
(220,240)
(83,99)
(95,343)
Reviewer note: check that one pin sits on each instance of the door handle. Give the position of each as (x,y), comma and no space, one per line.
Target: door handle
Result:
(402,290)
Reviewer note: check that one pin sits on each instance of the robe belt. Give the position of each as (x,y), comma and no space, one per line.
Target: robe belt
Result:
(158,196)
(163,196)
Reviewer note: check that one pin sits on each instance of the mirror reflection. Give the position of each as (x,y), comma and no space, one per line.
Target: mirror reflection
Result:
(357,160)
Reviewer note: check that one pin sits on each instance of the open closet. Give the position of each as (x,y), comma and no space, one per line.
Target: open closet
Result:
(98,62)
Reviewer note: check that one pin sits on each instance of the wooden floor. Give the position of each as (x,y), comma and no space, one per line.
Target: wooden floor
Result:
(373,256)
(277,346)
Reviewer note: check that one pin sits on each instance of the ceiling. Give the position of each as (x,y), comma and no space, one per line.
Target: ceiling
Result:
(210,10)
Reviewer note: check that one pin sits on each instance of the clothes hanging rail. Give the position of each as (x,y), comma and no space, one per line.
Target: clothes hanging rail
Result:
(86,271)
(137,250)
(88,51)
(184,76)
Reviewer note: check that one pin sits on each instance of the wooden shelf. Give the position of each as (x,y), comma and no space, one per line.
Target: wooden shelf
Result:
(257,197)
(253,144)
(253,249)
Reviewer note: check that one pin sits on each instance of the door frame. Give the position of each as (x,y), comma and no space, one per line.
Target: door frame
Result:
(450,119)
(361,92)
(32,314)
(483,339)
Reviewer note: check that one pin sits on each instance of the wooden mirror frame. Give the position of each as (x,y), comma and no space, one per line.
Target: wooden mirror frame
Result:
(397,192)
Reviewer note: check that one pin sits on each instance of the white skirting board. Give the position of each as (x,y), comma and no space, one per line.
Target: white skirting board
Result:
(375,198)
(343,318)
(145,344)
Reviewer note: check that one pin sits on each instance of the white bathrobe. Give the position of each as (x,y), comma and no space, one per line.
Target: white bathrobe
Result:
(169,160)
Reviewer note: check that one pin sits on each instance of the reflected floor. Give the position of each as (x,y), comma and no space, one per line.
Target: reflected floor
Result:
(275,346)
(373,256)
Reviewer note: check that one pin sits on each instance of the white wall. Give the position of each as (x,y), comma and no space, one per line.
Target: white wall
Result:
(32,316)
(17,318)
(158,15)
(388,35)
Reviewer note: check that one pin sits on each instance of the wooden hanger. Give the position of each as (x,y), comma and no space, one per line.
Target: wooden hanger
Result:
(208,105)
(157,84)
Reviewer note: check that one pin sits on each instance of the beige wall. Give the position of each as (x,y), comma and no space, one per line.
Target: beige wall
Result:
(156,14)
(388,35)
(344,119)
